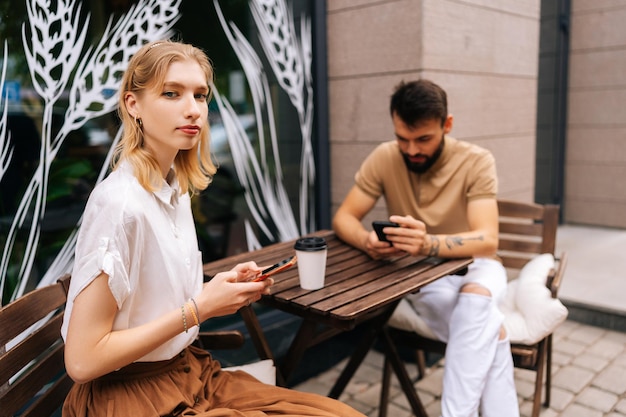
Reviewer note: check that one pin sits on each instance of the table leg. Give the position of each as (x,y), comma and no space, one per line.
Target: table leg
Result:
(299,345)
(391,353)
(364,346)
(374,328)
(305,337)
(259,340)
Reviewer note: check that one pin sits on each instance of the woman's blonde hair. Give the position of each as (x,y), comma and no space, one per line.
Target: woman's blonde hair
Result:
(146,70)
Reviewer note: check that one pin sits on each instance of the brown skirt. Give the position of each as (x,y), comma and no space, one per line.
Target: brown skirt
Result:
(192,384)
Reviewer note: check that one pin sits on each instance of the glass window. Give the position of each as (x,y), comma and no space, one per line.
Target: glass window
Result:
(51,159)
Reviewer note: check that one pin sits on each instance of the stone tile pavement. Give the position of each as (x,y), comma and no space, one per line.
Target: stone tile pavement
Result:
(589,379)
(595,274)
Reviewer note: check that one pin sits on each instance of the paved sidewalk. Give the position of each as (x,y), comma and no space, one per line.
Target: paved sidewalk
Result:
(596,269)
(589,379)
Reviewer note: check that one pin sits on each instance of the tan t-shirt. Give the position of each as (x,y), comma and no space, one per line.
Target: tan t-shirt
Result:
(439,197)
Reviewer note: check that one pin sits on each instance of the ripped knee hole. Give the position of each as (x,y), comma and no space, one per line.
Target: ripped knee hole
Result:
(474,288)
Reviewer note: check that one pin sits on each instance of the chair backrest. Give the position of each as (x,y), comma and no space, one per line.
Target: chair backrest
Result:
(32,371)
(526,230)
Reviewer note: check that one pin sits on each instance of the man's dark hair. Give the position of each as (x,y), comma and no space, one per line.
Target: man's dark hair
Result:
(419,101)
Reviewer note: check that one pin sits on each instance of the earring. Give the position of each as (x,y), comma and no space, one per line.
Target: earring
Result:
(138,122)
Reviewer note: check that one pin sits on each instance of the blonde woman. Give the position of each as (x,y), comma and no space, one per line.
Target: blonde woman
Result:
(137,295)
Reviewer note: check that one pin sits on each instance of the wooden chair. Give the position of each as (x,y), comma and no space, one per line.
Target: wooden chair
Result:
(36,362)
(526,230)
(33,381)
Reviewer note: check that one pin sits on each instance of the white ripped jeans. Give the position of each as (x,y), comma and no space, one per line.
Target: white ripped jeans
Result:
(479,369)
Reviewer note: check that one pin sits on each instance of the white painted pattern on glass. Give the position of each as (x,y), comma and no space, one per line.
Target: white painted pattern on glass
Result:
(57,63)
(54,41)
(6,151)
(290,60)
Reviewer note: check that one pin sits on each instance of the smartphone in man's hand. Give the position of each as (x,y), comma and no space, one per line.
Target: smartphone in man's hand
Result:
(379,225)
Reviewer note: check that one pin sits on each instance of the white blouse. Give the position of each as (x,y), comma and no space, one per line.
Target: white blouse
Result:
(146,243)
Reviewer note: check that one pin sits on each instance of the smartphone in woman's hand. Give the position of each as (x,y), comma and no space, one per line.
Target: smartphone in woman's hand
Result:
(276,268)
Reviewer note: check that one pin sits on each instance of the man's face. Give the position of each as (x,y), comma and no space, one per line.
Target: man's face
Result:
(421,145)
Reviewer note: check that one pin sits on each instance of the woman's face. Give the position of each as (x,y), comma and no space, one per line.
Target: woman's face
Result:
(174,114)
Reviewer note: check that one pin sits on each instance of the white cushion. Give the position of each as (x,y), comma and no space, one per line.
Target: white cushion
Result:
(264,370)
(406,318)
(530,312)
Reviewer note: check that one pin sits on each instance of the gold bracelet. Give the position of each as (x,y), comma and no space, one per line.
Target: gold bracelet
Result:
(193,314)
(196,306)
(182,309)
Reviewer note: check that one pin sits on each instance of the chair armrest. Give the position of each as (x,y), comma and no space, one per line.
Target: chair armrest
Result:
(65,283)
(556,275)
(225,339)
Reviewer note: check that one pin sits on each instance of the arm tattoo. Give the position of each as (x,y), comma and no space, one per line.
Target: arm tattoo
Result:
(452,241)
(434,246)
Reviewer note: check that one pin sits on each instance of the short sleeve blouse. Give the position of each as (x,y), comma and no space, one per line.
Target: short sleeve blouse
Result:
(146,243)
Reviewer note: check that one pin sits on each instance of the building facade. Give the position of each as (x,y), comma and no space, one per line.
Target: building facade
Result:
(539,83)
(484,55)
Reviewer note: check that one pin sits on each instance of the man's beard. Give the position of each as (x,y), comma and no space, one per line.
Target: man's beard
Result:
(422,167)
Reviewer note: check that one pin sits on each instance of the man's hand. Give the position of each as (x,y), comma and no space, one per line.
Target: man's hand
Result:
(379,250)
(410,237)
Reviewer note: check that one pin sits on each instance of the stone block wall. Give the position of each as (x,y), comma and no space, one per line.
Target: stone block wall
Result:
(484,53)
(595,166)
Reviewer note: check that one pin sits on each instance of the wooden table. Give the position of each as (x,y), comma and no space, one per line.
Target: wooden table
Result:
(357,290)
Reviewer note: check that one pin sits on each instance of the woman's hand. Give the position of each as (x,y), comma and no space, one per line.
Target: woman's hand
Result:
(228,291)
(247,271)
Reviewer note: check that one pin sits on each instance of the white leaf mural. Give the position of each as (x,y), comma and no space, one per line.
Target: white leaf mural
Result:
(54,45)
(290,61)
(6,151)
(62,63)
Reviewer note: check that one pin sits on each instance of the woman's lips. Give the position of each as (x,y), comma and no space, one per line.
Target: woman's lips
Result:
(190,130)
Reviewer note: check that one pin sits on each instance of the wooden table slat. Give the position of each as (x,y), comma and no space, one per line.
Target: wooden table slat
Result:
(268,255)
(337,270)
(370,285)
(402,287)
(352,282)
(287,284)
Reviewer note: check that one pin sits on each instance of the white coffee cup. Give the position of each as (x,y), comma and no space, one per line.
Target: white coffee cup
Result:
(311,253)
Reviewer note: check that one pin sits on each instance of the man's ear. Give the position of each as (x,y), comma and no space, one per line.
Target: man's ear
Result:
(447,125)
